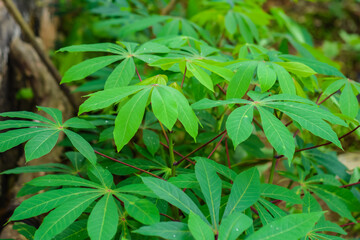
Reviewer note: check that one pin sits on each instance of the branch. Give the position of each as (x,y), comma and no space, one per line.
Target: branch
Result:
(182,82)
(216,146)
(9,4)
(197,149)
(179,154)
(115,160)
(166,10)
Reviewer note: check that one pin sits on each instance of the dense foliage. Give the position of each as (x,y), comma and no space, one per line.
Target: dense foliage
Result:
(218,82)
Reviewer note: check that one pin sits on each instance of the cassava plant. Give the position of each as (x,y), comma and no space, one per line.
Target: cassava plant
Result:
(202,131)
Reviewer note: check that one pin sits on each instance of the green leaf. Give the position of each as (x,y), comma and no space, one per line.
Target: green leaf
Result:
(317,66)
(151,141)
(129,118)
(20,124)
(200,75)
(297,68)
(291,227)
(210,185)
(103,99)
(60,218)
(81,145)
(328,227)
(266,76)
(41,144)
(55,113)
(76,230)
(233,225)
(207,103)
(225,73)
(46,201)
(281,193)
(164,106)
(274,210)
(239,124)
(264,215)
(340,200)
(100,175)
(48,167)
(199,229)
(87,67)
(285,80)
(121,75)
(143,210)
(151,47)
(244,29)
(26,115)
(244,193)
(104,218)
(173,195)
(139,189)
(239,84)
(26,230)
(79,123)
(308,117)
(167,230)
(63,180)
(348,102)
(223,170)
(185,181)
(166,63)
(97,47)
(13,138)
(277,134)
(230,22)
(185,114)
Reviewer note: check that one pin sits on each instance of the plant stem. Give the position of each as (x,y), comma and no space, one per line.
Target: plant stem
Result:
(177,153)
(217,145)
(138,74)
(273,165)
(171,154)
(182,82)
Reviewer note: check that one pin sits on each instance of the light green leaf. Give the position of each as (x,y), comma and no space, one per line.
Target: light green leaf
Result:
(244,193)
(46,201)
(266,76)
(151,47)
(167,230)
(13,138)
(244,28)
(142,210)
(277,134)
(101,175)
(20,124)
(121,75)
(78,123)
(97,47)
(291,227)
(285,80)
(151,141)
(26,115)
(199,229)
(173,195)
(223,170)
(60,218)
(140,189)
(166,63)
(62,180)
(278,192)
(185,181)
(239,124)
(297,68)
(230,22)
(233,225)
(103,99)
(104,218)
(41,144)
(210,185)
(185,114)
(164,106)
(328,226)
(81,145)
(225,73)
(308,118)
(55,113)
(129,118)
(207,103)
(348,102)
(48,167)
(239,84)
(87,67)
(200,75)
